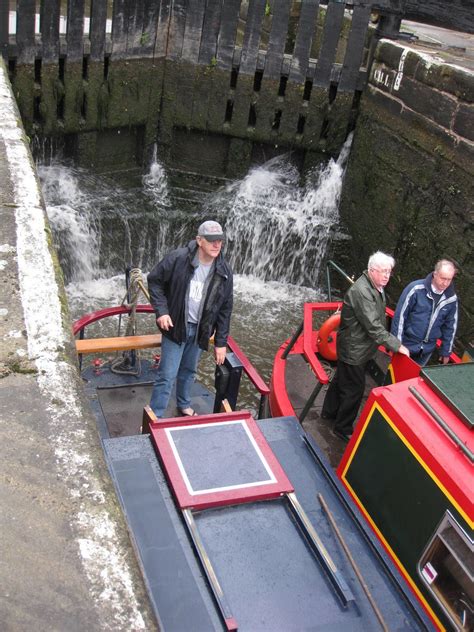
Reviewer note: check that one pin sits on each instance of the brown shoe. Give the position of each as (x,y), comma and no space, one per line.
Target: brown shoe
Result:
(187,412)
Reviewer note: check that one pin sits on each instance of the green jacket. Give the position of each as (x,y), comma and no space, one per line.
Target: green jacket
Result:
(363,323)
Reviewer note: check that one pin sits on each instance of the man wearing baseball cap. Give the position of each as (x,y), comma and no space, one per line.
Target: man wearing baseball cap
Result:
(191,291)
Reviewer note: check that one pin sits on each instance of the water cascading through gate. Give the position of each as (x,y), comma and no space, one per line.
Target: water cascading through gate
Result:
(277,232)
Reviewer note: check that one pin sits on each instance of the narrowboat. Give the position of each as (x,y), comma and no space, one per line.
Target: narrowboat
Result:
(237,519)
(409,466)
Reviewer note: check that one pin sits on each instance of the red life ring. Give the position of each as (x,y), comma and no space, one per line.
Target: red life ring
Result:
(327,337)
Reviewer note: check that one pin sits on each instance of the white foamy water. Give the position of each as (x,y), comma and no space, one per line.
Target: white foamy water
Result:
(277,231)
(73,220)
(155,182)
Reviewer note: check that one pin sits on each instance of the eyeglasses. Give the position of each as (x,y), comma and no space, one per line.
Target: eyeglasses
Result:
(385,271)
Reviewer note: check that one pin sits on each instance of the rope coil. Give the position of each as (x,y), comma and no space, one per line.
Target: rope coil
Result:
(128,363)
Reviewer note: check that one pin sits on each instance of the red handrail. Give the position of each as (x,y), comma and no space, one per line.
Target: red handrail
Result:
(250,370)
(93,317)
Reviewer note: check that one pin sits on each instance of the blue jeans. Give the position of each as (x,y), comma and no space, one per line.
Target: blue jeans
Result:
(178,362)
(421,357)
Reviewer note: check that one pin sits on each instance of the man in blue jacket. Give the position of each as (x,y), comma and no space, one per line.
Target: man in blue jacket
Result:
(191,291)
(428,310)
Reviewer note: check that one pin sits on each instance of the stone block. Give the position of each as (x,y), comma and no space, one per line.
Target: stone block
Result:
(448,78)
(24,91)
(464,121)
(435,105)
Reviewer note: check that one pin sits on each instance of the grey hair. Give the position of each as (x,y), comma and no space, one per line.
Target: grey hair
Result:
(380,260)
(445,262)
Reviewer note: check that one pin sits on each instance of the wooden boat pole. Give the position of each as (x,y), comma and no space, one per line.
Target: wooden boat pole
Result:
(365,588)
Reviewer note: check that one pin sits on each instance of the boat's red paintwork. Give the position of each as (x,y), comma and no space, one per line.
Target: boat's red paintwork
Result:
(428,440)
(401,367)
(249,369)
(276,485)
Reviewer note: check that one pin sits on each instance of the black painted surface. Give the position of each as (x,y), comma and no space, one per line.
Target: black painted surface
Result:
(355,49)
(151,12)
(176,29)
(97,29)
(454,14)
(228,30)
(49,26)
(210,31)
(276,44)
(4,28)
(25,31)
(250,46)
(119,28)
(161,43)
(135,27)
(270,578)
(75,30)
(193,30)
(304,39)
(327,54)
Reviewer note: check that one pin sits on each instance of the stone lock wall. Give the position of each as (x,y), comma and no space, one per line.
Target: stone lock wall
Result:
(257,72)
(409,186)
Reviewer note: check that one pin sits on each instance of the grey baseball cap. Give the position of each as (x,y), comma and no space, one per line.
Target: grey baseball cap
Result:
(211,230)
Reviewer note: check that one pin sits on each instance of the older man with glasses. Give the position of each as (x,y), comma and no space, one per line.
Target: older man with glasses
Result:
(362,330)
(191,291)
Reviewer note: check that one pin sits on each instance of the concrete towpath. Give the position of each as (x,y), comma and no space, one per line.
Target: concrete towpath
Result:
(66,562)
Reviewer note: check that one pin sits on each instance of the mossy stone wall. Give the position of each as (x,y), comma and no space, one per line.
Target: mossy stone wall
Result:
(409,185)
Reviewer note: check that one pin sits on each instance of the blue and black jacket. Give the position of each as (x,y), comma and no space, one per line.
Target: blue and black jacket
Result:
(419,320)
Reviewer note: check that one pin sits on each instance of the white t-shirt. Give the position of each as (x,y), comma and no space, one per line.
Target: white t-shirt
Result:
(196,289)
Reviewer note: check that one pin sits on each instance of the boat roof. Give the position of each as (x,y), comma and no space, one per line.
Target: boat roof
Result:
(453,383)
(269,576)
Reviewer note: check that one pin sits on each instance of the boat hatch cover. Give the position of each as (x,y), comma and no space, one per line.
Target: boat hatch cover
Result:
(453,384)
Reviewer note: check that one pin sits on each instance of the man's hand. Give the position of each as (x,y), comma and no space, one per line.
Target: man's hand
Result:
(404,351)
(219,354)
(164,322)
(444,359)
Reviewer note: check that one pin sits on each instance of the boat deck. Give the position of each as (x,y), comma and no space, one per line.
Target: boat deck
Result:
(270,579)
(300,382)
(118,400)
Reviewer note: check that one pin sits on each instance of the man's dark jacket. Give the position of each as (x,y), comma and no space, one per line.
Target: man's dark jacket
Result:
(168,284)
(363,324)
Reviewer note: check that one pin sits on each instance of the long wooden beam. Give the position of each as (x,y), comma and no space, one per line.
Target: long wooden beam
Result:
(120,343)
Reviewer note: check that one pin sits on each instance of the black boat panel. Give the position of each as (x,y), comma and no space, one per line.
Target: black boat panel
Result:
(122,408)
(177,589)
(270,579)
(269,576)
